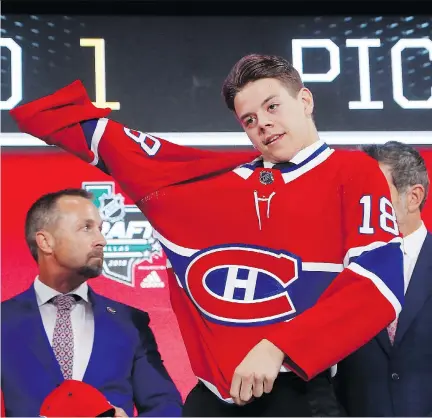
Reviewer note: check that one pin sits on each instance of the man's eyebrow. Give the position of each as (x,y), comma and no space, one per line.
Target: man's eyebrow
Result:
(262,104)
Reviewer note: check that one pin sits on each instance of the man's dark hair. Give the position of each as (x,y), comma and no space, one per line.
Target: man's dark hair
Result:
(255,67)
(43,214)
(406,165)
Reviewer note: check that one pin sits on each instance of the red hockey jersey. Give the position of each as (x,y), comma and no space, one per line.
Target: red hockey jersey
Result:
(308,256)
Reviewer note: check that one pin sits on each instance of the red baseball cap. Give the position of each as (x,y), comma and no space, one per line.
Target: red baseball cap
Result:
(74,398)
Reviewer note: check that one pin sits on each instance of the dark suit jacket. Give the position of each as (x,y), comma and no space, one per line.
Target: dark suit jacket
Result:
(124,365)
(384,380)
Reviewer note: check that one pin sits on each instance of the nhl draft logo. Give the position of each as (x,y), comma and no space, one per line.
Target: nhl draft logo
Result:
(129,236)
(112,208)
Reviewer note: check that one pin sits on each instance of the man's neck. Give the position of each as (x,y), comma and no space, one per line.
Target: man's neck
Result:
(411,226)
(298,155)
(63,283)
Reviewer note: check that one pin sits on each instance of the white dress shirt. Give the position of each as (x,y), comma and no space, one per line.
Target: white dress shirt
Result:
(81,318)
(412,245)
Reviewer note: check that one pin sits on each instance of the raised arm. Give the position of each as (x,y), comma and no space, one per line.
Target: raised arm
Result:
(139,162)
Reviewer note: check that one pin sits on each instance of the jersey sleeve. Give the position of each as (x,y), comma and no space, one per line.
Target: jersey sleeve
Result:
(141,163)
(366,296)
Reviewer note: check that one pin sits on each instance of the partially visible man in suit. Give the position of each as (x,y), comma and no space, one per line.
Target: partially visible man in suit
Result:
(61,329)
(392,374)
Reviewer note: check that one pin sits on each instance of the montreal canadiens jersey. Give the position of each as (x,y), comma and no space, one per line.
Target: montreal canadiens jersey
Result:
(308,256)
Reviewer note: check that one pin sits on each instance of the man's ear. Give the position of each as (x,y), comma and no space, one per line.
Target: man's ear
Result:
(416,195)
(45,241)
(308,101)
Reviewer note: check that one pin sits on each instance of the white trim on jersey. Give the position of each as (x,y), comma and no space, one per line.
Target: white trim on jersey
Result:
(97,136)
(212,388)
(188,252)
(243,172)
(381,286)
(305,153)
(183,251)
(292,175)
(357,251)
(327,267)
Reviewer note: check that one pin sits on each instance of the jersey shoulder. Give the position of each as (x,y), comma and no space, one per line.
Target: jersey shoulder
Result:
(356,164)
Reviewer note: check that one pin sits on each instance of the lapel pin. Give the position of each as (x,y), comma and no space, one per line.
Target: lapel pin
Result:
(111,310)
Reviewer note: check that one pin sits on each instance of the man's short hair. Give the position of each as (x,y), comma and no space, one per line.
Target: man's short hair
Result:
(43,214)
(255,67)
(406,165)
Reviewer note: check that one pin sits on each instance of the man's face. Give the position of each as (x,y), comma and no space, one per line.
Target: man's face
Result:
(278,124)
(77,239)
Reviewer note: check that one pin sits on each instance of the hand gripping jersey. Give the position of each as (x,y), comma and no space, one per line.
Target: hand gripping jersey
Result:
(308,257)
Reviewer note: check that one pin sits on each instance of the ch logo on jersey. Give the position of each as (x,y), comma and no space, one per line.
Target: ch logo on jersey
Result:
(242,285)
(129,234)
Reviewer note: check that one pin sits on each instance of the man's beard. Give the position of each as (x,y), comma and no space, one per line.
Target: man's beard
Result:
(92,269)
(89,271)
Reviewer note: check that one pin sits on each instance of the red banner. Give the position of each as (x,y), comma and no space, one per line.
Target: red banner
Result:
(134,270)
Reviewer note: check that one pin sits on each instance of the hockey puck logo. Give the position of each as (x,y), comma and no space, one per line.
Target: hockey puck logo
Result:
(266,177)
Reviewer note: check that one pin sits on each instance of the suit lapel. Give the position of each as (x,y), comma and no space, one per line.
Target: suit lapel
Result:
(419,289)
(104,335)
(384,341)
(31,332)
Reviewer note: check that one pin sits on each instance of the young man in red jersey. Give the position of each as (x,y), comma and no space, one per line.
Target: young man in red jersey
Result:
(281,261)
